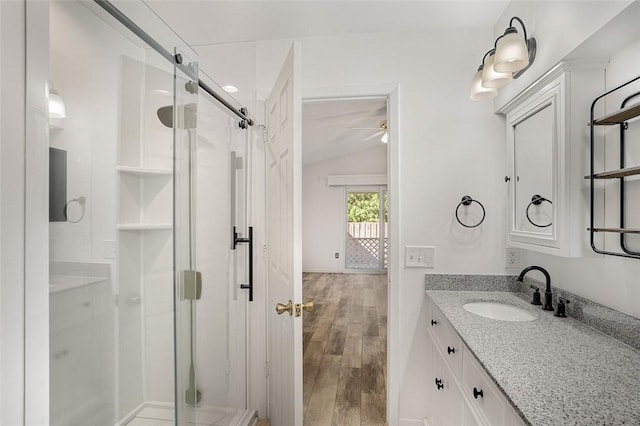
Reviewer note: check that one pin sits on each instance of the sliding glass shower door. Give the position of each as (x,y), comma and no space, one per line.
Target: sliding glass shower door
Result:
(148,179)
(213,335)
(210,268)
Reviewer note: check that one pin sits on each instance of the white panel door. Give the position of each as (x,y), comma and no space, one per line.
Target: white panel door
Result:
(284,243)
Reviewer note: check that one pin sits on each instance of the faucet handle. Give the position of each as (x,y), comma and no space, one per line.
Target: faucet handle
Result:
(536,295)
(561,312)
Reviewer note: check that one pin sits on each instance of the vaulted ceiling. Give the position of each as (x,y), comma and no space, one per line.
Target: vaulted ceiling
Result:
(335,128)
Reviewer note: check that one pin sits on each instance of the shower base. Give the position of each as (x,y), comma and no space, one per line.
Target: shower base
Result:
(158,415)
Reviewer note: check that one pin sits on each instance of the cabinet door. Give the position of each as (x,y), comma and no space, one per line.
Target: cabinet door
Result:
(534,142)
(448,340)
(447,399)
(433,391)
(485,398)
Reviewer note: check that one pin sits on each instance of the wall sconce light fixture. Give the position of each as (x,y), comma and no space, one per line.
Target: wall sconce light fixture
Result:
(511,56)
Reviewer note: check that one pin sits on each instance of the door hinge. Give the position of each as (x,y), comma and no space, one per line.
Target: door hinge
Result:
(265,133)
(266,369)
(191,285)
(265,253)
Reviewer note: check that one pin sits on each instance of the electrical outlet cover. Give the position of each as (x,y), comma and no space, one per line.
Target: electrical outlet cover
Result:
(512,257)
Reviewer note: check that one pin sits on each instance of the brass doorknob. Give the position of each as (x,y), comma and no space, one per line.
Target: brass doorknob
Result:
(281,309)
(308,306)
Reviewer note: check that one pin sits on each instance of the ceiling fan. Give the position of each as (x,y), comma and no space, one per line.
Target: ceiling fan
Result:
(380,130)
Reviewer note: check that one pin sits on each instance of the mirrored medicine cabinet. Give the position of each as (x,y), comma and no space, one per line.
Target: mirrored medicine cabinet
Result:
(547,152)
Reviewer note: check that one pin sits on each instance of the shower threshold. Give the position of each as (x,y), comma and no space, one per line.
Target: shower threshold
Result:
(162,415)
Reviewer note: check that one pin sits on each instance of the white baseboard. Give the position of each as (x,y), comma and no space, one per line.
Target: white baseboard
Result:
(412,422)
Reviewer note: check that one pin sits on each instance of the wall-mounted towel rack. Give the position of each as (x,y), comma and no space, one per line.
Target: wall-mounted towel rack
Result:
(536,200)
(466,201)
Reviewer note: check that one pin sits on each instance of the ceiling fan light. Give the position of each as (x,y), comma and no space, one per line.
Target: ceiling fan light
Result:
(492,79)
(512,54)
(385,138)
(477,91)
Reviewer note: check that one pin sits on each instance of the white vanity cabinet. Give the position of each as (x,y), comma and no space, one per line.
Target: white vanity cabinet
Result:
(547,138)
(461,392)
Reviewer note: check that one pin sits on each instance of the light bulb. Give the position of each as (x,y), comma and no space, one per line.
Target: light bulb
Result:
(384,138)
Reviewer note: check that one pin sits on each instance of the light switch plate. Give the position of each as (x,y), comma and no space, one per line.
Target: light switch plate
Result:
(419,256)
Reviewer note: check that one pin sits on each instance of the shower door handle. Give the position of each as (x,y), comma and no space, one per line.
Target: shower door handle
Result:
(249,241)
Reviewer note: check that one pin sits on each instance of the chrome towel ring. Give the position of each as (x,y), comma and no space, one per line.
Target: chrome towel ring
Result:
(536,200)
(466,201)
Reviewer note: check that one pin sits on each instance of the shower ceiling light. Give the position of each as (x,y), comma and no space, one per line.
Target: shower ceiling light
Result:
(230,89)
(56,104)
(511,56)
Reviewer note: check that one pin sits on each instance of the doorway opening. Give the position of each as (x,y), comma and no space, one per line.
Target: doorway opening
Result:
(345,260)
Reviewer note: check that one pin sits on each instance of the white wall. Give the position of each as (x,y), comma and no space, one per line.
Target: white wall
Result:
(448,147)
(12,146)
(323,207)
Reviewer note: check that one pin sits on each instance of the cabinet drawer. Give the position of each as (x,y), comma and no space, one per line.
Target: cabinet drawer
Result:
(483,395)
(449,343)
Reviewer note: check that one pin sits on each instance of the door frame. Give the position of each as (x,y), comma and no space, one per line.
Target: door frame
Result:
(391,92)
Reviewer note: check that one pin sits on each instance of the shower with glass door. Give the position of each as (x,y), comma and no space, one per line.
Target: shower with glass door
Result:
(148,174)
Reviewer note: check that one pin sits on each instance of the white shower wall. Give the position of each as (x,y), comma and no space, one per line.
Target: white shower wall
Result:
(85,69)
(112,342)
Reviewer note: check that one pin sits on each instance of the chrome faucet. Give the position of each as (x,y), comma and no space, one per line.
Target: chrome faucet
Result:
(547,293)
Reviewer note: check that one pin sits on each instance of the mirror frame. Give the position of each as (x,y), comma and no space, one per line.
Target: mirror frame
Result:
(549,96)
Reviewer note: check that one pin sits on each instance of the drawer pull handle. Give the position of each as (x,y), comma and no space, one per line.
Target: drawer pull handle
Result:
(434,322)
(477,393)
(439,384)
(451,350)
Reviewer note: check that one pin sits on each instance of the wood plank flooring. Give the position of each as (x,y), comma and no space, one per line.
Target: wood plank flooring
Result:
(345,350)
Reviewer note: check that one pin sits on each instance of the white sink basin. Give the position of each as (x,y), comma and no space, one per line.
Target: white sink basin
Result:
(499,311)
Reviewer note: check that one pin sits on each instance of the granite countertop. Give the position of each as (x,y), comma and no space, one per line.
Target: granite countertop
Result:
(555,371)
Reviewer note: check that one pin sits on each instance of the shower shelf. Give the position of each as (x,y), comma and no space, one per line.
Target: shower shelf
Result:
(141,171)
(613,174)
(143,227)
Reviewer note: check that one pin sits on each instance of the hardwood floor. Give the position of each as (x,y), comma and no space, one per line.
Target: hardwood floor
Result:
(345,349)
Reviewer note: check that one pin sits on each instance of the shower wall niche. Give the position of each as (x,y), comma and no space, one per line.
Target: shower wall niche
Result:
(145,237)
